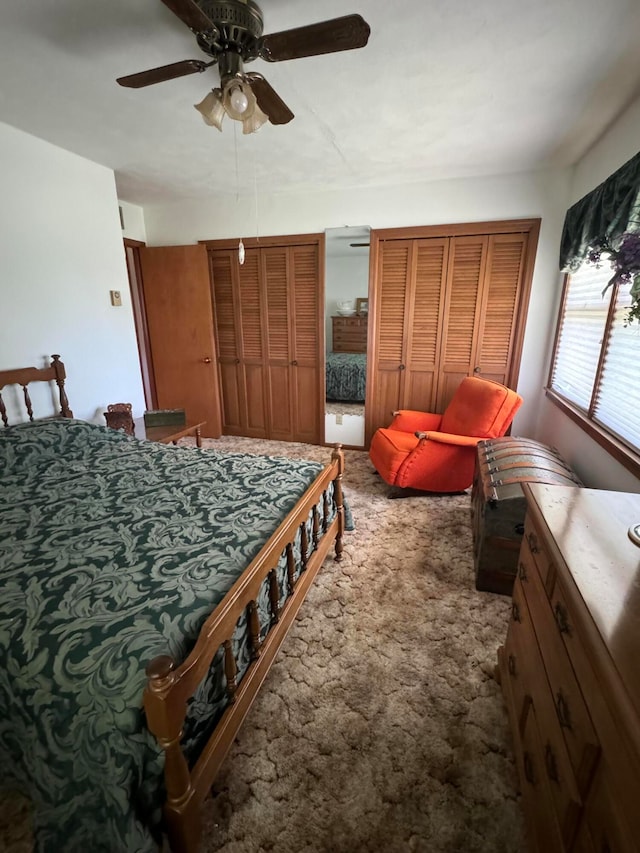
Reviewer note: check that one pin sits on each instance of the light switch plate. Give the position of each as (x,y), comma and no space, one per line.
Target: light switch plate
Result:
(116,297)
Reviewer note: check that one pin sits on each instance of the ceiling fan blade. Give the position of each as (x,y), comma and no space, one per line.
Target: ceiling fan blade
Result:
(269,100)
(346,33)
(164,72)
(190,14)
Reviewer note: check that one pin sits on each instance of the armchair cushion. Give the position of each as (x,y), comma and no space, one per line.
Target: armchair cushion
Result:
(389,449)
(410,421)
(480,407)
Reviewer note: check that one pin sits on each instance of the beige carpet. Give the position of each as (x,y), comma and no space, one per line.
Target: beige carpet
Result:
(380,727)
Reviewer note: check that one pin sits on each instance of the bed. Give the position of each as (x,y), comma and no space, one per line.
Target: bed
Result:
(146,591)
(346,374)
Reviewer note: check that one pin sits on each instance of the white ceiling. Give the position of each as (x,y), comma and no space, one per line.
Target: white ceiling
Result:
(445,88)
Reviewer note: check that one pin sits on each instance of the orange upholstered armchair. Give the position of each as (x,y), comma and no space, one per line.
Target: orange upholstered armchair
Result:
(436,453)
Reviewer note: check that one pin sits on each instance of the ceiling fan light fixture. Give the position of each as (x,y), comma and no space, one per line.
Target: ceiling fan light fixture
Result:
(255,120)
(211,108)
(238,99)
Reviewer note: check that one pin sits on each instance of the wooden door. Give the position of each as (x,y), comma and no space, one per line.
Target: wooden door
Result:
(409,305)
(384,376)
(307,311)
(178,306)
(462,305)
(240,340)
(269,328)
(424,328)
(502,294)
(278,341)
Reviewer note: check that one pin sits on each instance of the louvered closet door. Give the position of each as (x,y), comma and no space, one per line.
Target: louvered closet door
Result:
(279,343)
(306,302)
(408,334)
(423,336)
(240,342)
(501,295)
(391,320)
(462,307)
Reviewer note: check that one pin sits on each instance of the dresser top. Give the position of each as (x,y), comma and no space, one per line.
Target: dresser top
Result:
(589,527)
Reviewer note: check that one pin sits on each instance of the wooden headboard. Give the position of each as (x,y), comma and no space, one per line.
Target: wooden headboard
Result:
(24,375)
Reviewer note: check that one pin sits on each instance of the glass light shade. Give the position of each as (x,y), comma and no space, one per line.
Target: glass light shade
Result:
(255,121)
(212,108)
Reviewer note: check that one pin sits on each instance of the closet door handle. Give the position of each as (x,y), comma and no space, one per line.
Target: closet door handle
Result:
(477,369)
(401,367)
(206,360)
(294,363)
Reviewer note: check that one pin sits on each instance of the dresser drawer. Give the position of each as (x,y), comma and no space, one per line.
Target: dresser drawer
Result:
(537,549)
(564,692)
(529,681)
(605,818)
(534,785)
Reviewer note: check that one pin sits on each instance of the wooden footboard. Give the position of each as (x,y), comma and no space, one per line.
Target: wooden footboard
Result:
(169,687)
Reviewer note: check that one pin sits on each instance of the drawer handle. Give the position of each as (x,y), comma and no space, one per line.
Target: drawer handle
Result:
(562,710)
(562,620)
(522,572)
(515,612)
(550,763)
(529,775)
(532,539)
(519,529)
(511,665)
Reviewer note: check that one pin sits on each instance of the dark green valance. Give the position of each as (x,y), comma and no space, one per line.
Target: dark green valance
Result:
(601,217)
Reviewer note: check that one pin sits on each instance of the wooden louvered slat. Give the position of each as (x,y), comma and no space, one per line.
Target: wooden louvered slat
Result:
(392,299)
(221,267)
(504,277)
(466,266)
(430,276)
(276,284)
(305,275)
(250,306)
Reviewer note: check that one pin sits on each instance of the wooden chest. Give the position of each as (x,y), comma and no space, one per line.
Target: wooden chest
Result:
(498,504)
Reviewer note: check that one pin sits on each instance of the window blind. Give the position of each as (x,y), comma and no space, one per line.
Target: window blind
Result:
(581,334)
(617,404)
(588,338)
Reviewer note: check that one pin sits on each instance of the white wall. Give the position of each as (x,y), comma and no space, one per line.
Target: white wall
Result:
(594,465)
(133,225)
(542,194)
(60,254)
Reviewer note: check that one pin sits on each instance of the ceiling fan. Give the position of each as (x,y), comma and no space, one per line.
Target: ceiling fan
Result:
(230,31)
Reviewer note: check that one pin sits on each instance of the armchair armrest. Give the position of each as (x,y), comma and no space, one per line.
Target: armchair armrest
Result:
(449,438)
(408,420)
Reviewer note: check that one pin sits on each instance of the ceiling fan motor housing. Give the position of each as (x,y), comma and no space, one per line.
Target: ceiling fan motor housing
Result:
(239,26)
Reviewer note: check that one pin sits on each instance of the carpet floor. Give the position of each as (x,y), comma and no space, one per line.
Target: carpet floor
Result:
(380,727)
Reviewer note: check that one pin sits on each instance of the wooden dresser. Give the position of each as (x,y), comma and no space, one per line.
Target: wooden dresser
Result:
(350,333)
(570,670)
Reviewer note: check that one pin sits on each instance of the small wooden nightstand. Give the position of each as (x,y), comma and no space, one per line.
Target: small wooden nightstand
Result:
(169,434)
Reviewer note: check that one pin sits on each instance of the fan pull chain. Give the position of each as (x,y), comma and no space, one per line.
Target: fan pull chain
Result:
(255,193)
(235,148)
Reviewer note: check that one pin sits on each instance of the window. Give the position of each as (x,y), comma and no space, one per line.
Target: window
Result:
(595,369)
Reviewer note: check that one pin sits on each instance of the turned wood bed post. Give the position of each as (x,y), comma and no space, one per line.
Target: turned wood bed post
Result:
(338,456)
(61,375)
(165,721)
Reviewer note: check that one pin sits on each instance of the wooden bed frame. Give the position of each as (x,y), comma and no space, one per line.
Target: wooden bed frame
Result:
(170,686)
(24,375)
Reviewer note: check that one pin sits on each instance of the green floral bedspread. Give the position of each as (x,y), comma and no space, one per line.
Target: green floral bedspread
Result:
(346,376)
(112,551)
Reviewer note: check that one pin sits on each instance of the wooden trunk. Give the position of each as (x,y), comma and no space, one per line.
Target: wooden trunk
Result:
(498,504)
